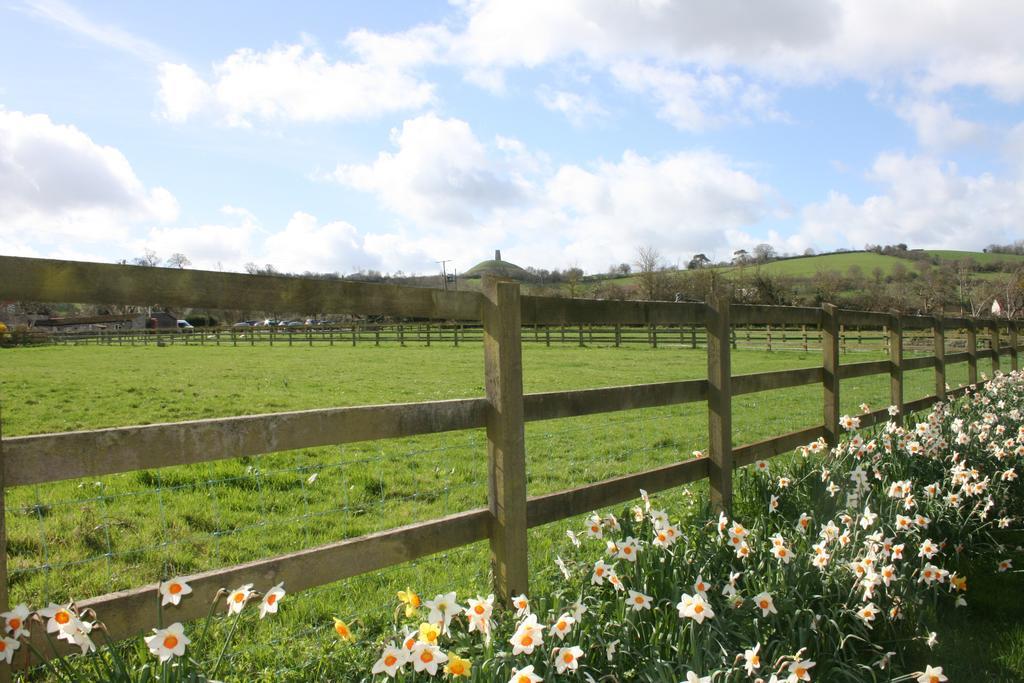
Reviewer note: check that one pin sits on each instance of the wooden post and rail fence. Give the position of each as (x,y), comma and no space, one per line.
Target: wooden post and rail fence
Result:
(505,317)
(769,337)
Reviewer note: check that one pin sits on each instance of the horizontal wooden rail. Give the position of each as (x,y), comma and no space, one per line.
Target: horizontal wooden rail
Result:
(31,279)
(71,455)
(747,314)
(921,404)
(863,318)
(564,504)
(557,404)
(549,310)
(918,363)
(874,367)
(762,450)
(778,379)
(958,357)
(130,612)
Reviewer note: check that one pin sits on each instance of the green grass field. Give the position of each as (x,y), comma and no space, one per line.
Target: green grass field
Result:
(81,538)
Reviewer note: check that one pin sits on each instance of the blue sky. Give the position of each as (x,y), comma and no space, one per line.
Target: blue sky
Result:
(390,135)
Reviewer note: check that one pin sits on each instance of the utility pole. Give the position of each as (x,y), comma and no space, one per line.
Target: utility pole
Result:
(444,273)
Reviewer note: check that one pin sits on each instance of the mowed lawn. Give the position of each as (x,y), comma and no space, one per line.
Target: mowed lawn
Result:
(82,538)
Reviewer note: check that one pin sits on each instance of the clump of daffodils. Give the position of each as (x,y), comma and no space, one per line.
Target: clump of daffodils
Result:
(825,566)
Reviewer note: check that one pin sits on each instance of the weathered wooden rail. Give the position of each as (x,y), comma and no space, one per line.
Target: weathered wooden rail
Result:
(504,317)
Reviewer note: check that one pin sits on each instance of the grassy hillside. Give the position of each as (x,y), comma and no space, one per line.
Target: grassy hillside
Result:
(840,263)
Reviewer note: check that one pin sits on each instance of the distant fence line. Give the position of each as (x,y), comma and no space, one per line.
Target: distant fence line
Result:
(767,337)
(506,319)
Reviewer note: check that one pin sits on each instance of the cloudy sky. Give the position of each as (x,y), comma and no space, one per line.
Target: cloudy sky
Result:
(338,136)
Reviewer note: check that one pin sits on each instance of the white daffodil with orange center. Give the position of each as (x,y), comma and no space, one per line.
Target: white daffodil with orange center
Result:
(391,660)
(528,636)
(695,607)
(427,657)
(59,618)
(443,608)
(593,529)
(616,582)
(525,675)
(638,601)
(567,659)
(868,613)
(932,674)
(562,626)
(15,621)
(8,646)
(800,670)
(765,603)
(927,549)
(272,600)
(701,586)
(169,642)
(627,549)
(601,571)
(173,591)
(522,605)
(238,598)
(782,553)
(752,660)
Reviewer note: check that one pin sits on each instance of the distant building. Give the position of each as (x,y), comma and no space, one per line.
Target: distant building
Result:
(498,268)
(128,321)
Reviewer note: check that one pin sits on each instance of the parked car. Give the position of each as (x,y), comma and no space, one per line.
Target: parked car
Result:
(185,326)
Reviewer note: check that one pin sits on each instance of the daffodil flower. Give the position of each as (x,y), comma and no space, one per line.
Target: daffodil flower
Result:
(173,591)
(169,642)
(567,659)
(271,600)
(525,675)
(15,621)
(391,660)
(342,629)
(238,598)
(457,667)
(8,646)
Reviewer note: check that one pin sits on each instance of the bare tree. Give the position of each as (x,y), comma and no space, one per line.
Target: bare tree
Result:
(149,259)
(178,260)
(650,272)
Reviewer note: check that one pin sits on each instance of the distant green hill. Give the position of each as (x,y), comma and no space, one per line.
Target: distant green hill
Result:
(806,266)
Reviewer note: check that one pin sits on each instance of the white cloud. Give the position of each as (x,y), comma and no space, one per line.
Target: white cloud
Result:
(578,109)
(924,202)
(685,203)
(305,244)
(292,83)
(462,198)
(441,174)
(65,15)
(182,92)
(936,126)
(57,183)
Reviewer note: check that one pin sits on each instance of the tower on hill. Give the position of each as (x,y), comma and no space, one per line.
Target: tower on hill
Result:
(498,268)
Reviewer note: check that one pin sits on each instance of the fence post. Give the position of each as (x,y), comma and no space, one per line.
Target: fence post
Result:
(896,363)
(972,353)
(768,337)
(5,671)
(940,359)
(719,404)
(506,439)
(618,335)
(1012,331)
(995,346)
(830,331)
